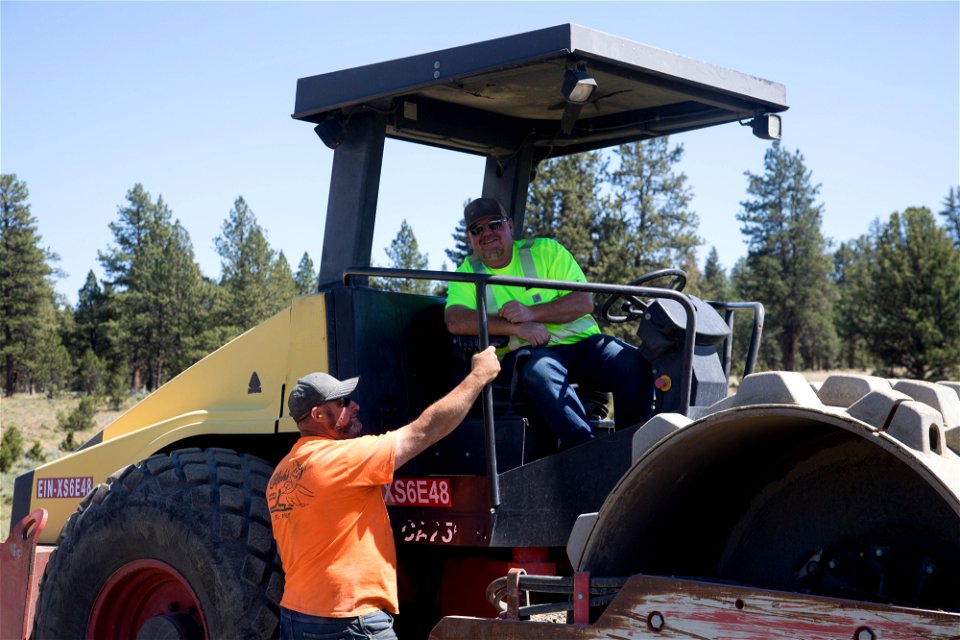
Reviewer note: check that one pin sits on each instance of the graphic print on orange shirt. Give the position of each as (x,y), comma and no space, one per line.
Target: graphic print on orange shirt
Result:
(285,491)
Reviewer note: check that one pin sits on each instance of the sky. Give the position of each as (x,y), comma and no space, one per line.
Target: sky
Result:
(193,100)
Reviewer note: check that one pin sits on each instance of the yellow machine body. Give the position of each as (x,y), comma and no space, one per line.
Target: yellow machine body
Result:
(239,389)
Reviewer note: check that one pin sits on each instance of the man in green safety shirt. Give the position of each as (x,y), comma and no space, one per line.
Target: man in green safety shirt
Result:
(553,328)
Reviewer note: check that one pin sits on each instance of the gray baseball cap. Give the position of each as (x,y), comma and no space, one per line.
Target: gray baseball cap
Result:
(315,389)
(482,208)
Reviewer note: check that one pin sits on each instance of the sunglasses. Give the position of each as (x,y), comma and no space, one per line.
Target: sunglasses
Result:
(493,225)
(344,402)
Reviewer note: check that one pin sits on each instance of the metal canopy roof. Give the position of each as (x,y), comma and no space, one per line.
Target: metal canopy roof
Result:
(493,97)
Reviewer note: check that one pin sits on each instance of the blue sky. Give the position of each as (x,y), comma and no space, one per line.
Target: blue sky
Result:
(194,100)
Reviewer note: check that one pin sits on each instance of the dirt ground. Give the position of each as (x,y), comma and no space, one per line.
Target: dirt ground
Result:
(559,618)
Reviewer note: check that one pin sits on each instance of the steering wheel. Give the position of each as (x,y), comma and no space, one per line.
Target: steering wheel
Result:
(633,306)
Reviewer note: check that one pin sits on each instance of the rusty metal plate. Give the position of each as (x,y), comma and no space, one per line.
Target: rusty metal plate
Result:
(654,607)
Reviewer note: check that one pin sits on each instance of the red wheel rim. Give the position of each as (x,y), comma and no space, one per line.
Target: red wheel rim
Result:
(136,592)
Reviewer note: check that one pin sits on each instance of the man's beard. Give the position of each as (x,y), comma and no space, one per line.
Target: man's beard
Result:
(351,428)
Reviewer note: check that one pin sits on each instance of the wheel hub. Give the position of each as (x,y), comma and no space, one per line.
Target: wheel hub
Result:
(146,599)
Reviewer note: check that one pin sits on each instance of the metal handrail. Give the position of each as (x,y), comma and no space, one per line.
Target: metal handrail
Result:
(482,280)
(754,348)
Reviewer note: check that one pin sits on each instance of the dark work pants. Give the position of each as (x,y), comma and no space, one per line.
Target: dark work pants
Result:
(598,362)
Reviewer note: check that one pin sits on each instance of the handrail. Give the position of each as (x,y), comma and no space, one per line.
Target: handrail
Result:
(489,433)
(482,280)
(754,348)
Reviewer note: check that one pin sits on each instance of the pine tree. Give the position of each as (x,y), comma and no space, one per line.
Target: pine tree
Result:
(646,224)
(156,281)
(122,263)
(914,295)
(184,313)
(28,330)
(951,215)
(461,244)
(743,325)
(404,253)
(91,377)
(52,368)
(87,315)
(281,284)
(213,302)
(714,284)
(246,260)
(852,276)
(564,203)
(95,327)
(787,266)
(654,227)
(307,276)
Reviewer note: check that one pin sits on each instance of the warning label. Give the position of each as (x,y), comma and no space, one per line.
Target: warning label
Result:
(64,487)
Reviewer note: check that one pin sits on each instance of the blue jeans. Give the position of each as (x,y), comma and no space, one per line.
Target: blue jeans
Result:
(301,626)
(599,362)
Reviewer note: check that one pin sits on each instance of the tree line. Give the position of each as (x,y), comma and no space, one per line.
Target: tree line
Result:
(152,315)
(888,301)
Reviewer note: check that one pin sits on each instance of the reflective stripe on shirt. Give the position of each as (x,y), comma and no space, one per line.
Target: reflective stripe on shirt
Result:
(561,331)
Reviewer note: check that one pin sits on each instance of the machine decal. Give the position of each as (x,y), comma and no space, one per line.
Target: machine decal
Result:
(64,487)
(432,531)
(418,492)
(254,385)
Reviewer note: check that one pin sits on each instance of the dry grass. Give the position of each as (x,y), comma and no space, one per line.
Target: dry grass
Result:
(820,376)
(35,416)
(811,376)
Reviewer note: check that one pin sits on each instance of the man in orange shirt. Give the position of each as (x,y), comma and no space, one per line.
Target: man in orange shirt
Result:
(327,510)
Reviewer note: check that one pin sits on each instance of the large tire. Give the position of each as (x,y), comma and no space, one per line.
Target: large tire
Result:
(176,545)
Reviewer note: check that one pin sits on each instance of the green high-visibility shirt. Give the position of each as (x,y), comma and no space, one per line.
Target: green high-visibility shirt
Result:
(541,258)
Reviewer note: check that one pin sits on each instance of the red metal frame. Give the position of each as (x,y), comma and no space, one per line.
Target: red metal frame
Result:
(513,594)
(22,563)
(581,597)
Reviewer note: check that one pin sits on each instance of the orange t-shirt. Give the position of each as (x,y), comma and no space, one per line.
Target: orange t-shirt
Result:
(332,528)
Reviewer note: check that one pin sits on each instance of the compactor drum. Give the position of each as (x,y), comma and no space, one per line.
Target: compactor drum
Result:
(852,492)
